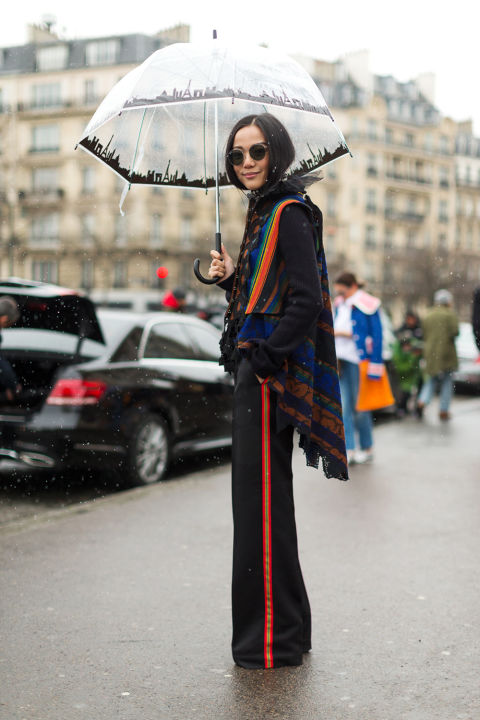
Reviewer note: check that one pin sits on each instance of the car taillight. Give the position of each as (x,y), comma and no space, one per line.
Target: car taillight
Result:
(76,392)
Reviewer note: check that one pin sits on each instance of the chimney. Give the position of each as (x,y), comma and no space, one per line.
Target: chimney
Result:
(42,33)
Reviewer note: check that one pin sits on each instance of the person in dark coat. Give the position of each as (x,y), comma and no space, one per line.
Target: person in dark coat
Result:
(476,316)
(9,314)
(278,341)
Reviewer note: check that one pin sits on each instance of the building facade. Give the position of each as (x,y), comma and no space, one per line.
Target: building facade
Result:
(403,213)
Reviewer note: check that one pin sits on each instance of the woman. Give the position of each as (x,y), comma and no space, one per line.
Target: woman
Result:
(358,336)
(278,341)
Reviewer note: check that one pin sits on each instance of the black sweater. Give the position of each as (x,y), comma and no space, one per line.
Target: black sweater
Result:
(296,243)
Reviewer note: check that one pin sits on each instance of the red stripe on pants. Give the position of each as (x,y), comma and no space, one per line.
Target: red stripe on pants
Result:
(267,530)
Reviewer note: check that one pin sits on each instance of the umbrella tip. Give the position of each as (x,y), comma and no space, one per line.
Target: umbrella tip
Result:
(214,34)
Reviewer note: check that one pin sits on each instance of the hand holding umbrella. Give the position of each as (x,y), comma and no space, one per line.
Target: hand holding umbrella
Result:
(222,265)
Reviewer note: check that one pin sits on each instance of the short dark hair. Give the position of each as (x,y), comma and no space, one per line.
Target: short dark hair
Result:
(281,152)
(346,278)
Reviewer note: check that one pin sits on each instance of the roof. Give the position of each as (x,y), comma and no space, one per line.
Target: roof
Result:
(132,48)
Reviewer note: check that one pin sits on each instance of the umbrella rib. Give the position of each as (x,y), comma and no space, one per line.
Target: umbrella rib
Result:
(136,146)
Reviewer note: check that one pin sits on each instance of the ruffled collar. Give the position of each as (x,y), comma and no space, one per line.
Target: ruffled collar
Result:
(289,186)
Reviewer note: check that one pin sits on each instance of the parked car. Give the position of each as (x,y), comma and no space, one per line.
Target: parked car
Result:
(467,377)
(123,391)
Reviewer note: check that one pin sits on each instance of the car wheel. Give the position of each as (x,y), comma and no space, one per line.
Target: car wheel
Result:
(149,451)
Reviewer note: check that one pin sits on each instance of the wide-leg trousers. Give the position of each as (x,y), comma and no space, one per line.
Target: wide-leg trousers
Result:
(270,608)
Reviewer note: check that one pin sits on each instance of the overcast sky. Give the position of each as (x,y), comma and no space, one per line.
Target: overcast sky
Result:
(404,38)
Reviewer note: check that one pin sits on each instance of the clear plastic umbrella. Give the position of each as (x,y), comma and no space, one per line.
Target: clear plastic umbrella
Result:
(167,121)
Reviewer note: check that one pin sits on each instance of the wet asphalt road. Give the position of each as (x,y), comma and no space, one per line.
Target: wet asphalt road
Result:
(118,607)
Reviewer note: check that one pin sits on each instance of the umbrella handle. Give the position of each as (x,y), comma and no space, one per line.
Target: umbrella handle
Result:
(196,264)
(199,276)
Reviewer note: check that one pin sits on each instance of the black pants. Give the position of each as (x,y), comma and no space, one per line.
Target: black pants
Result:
(270,608)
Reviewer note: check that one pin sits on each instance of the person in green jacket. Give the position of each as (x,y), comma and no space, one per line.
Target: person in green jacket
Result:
(440,328)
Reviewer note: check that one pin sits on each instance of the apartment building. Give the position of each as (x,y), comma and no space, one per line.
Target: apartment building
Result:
(59,207)
(403,213)
(393,211)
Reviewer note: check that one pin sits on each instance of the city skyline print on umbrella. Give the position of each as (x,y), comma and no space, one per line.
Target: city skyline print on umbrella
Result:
(167,121)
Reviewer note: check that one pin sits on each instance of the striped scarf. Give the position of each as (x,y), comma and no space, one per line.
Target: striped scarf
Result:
(307,385)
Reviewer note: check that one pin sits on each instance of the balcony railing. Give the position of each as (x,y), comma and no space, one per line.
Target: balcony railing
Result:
(404,215)
(55,105)
(41,242)
(399,177)
(41,196)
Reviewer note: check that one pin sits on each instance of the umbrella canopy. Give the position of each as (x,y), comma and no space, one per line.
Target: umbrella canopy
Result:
(157,125)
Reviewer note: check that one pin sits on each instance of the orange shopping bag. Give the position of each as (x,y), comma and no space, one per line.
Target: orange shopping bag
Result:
(373,394)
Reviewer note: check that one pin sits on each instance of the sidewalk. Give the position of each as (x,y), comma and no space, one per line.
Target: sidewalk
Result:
(119,609)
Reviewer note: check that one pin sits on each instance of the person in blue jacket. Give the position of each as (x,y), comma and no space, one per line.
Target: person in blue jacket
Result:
(358,336)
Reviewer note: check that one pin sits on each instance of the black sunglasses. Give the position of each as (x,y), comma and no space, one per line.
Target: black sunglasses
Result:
(256,152)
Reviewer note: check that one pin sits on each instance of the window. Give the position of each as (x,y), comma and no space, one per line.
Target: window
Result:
(45,271)
(372,169)
(88,225)
(45,138)
(389,204)
(88,179)
(331,198)
(119,274)
(389,238)
(371,206)
(372,129)
(186,232)
(411,239)
(443,211)
(168,340)
(156,230)
(444,176)
(45,228)
(127,351)
(428,142)
(120,231)
(370,239)
(389,136)
(355,127)
(46,95)
(442,241)
(409,139)
(87,280)
(44,179)
(411,204)
(444,145)
(52,58)
(89,91)
(206,342)
(102,52)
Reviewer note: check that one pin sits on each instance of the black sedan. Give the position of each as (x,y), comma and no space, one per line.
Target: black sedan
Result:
(109,390)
